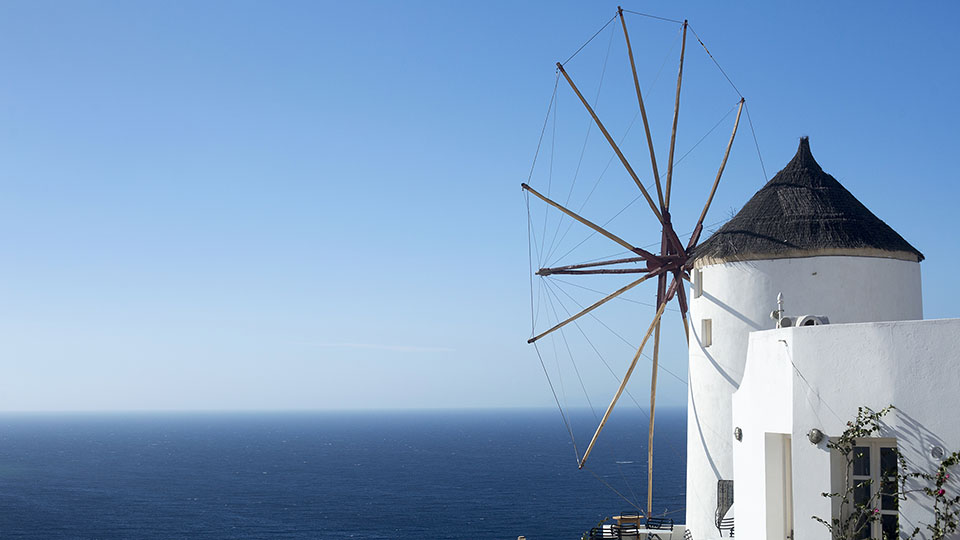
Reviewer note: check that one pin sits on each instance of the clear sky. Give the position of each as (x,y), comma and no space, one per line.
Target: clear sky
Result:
(297,205)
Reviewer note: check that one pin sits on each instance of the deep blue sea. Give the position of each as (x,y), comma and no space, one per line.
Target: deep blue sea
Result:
(397,475)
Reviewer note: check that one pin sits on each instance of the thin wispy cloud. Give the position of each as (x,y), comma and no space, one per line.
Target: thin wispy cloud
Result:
(383,347)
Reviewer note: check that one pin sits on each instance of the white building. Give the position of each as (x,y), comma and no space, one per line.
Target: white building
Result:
(800,379)
(805,236)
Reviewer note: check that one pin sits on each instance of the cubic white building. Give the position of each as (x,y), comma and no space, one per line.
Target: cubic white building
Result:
(803,235)
(800,379)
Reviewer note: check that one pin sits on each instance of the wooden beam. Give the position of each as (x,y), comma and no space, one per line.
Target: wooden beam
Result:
(676,114)
(699,228)
(550,271)
(653,408)
(613,143)
(623,384)
(641,252)
(672,262)
(665,242)
(672,290)
(682,300)
(671,235)
(686,328)
(643,110)
(590,265)
(599,303)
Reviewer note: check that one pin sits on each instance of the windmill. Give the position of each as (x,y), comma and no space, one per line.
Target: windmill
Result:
(669,267)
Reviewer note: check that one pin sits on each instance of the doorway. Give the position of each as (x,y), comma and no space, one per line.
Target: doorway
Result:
(779,486)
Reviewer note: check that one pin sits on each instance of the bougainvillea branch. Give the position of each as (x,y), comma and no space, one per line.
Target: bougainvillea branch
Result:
(856,518)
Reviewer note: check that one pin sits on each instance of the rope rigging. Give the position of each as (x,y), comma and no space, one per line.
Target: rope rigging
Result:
(671,448)
(533,319)
(715,62)
(572,361)
(651,88)
(638,197)
(633,346)
(557,356)
(646,246)
(531,245)
(597,33)
(583,149)
(553,142)
(668,264)
(587,395)
(707,134)
(653,16)
(757,143)
(543,130)
(563,415)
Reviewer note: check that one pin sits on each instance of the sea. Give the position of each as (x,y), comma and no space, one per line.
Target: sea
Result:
(467,474)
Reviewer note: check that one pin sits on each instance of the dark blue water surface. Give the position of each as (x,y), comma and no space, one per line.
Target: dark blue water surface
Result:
(404,475)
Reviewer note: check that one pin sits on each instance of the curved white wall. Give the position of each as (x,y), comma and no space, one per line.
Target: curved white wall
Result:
(738,297)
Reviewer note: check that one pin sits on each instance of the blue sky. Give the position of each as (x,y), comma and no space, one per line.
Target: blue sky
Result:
(251,205)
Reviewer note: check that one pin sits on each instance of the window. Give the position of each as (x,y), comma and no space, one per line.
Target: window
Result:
(697,283)
(706,332)
(874,481)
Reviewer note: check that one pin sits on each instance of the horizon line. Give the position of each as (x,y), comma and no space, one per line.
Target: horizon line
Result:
(309,410)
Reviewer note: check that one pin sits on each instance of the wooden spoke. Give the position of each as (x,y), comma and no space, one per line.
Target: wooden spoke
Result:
(548,271)
(670,261)
(676,114)
(661,288)
(694,238)
(699,228)
(643,110)
(641,252)
(653,407)
(556,269)
(682,300)
(599,303)
(672,290)
(671,234)
(623,384)
(612,143)
(681,294)
(686,328)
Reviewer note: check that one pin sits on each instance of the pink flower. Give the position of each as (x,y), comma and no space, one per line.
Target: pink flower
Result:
(946,476)
(940,492)
(876,510)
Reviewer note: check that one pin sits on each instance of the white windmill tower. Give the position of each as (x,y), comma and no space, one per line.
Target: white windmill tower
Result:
(805,236)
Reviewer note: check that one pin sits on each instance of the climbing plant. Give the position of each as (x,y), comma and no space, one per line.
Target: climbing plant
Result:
(946,507)
(857,514)
(855,517)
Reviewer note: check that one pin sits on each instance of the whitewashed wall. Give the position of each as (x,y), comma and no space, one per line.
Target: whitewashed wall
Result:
(768,383)
(912,365)
(738,298)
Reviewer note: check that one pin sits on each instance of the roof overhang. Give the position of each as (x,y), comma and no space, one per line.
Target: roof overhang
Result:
(908,256)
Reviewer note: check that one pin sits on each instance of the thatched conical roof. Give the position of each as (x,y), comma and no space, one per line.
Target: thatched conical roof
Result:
(803,212)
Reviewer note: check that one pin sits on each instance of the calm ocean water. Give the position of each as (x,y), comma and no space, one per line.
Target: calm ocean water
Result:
(403,475)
